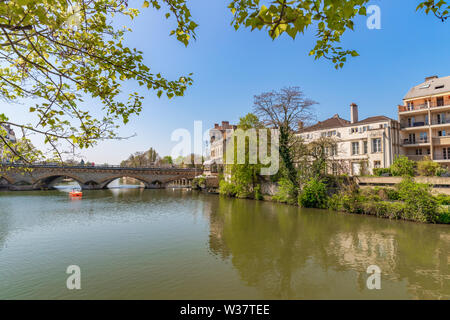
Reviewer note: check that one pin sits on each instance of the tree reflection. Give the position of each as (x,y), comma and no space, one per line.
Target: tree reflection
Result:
(291,253)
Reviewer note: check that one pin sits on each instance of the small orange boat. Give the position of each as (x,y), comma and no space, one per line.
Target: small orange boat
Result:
(75,194)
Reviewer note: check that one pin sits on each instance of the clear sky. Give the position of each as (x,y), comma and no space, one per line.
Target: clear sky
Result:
(231,67)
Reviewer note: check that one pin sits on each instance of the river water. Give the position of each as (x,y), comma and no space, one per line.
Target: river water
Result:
(180,244)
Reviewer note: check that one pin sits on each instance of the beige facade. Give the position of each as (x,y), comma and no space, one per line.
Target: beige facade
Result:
(425,121)
(362,145)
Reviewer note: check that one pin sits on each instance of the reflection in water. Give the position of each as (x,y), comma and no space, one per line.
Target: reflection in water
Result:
(179,244)
(290,255)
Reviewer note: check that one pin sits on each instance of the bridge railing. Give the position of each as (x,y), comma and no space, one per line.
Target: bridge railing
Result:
(101,167)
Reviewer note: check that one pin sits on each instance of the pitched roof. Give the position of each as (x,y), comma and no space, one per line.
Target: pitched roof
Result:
(431,86)
(337,122)
(334,122)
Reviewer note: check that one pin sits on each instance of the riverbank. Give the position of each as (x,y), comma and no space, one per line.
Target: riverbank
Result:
(406,200)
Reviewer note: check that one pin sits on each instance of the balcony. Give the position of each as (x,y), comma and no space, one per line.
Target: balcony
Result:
(417,142)
(441,158)
(442,141)
(440,122)
(414,157)
(414,125)
(406,109)
(444,105)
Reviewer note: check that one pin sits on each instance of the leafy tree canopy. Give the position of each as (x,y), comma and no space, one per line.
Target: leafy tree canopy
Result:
(60,52)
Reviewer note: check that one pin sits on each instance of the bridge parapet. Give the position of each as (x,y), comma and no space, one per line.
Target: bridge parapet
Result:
(32,177)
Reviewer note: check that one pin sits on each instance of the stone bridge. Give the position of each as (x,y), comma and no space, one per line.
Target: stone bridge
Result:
(42,177)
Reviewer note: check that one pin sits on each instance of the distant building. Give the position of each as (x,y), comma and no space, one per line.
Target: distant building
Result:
(360,145)
(425,121)
(10,137)
(219,136)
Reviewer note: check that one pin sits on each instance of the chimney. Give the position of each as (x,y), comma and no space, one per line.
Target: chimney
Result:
(225,124)
(354,113)
(216,126)
(430,78)
(300,125)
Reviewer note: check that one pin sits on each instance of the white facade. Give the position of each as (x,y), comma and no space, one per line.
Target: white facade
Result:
(360,146)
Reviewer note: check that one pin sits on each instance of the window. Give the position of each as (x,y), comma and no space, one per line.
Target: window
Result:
(377,164)
(334,168)
(440,101)
(440,87)
(376,145)
(441,118)
(442,133)
(334,150)
(410,106)
(355,148)
(423,137)
(366,148)
(418,152)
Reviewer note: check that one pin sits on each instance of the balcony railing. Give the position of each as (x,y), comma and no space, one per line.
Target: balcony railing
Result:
(437,122)
(436,105)
(415,157)
(423,106)
(414,108)
(414,125)
(418,141)
(441,140)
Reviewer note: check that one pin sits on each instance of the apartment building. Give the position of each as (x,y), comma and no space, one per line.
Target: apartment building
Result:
(361,145)
(425,121)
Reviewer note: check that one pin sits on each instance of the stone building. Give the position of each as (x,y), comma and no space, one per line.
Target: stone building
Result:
(219,136)
(361,145)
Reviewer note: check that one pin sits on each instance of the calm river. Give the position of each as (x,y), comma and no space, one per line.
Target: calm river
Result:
(179,244)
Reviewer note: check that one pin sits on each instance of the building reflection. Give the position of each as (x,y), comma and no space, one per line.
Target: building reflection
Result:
(288,255)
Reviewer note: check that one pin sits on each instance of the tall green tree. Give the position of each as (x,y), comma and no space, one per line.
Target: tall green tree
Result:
(61,52)
(284,110)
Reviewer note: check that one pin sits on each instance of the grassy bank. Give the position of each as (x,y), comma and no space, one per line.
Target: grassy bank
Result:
(408,201)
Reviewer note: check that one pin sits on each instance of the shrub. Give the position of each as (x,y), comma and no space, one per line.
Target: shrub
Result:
(402,167)
(227,189)
(444,217)
(428,168)
(257,192)
(422,205)
(335,202)
(379,172)
(313,195)
(386,194)
(286,191)
(443,199)
(383,209)
(198,183)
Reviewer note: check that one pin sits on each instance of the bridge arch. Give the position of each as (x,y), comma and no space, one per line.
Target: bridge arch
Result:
(105,182)
(49,181)
(4,179)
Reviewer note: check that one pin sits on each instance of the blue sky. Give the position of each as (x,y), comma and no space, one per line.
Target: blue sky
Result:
(231,67)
